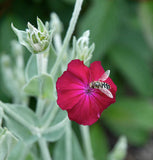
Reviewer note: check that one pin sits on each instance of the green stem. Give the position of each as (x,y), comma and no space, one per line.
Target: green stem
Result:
(42,61)
(44,149)
(87,142)
(40,106)
(68,141)
(69,33)
(58,42)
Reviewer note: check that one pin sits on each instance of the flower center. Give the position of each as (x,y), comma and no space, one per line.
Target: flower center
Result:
(88,90)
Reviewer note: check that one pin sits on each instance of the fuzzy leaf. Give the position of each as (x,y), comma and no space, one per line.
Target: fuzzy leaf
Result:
(40,85)
(23,152)
(22,37)
(31,68)
(16,127)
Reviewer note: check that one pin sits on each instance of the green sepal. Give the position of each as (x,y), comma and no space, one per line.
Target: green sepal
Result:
(22,37)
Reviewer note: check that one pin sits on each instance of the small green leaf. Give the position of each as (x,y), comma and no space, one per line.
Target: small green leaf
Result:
(40,85)
(130,117)
(60,147)
(99,142)
(7,142)
(31,68)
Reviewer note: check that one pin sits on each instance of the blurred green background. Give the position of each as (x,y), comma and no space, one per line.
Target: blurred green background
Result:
(122,31)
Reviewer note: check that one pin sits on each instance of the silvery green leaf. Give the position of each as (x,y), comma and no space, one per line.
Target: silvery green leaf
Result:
(23,152)
(22,37)
(60,147)
(7,142)
(40,85)
(16,116)
(120,150)
(57,126)
(31,68)
(51,58)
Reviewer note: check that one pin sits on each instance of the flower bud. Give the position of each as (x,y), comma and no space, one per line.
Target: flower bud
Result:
(82,49)
(35,40)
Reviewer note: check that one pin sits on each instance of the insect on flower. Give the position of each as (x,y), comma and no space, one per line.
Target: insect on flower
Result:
(85,92)
(101,85)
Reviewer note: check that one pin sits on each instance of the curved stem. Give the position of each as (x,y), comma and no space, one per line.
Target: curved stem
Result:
(87,142)
(67,38)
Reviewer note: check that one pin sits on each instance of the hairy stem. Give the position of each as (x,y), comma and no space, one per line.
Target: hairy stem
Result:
(87,142)
(69,33)
(44,149)
(68,141)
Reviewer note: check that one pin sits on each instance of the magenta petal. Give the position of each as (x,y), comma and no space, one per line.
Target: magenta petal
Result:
(81,71)
(68,98)
(69,90)
(96,71)
(85,112)
(69,81)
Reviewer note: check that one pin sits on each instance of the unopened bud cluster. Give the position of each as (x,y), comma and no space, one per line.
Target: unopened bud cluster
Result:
(36,40)
(82,48)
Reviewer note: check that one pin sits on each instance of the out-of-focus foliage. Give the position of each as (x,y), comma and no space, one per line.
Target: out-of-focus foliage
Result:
(122,31)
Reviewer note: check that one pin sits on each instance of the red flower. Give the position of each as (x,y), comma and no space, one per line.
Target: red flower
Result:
(78,94)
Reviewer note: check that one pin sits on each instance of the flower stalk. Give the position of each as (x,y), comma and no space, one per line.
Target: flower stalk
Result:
(67,38)
(87,142)
(44,149)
